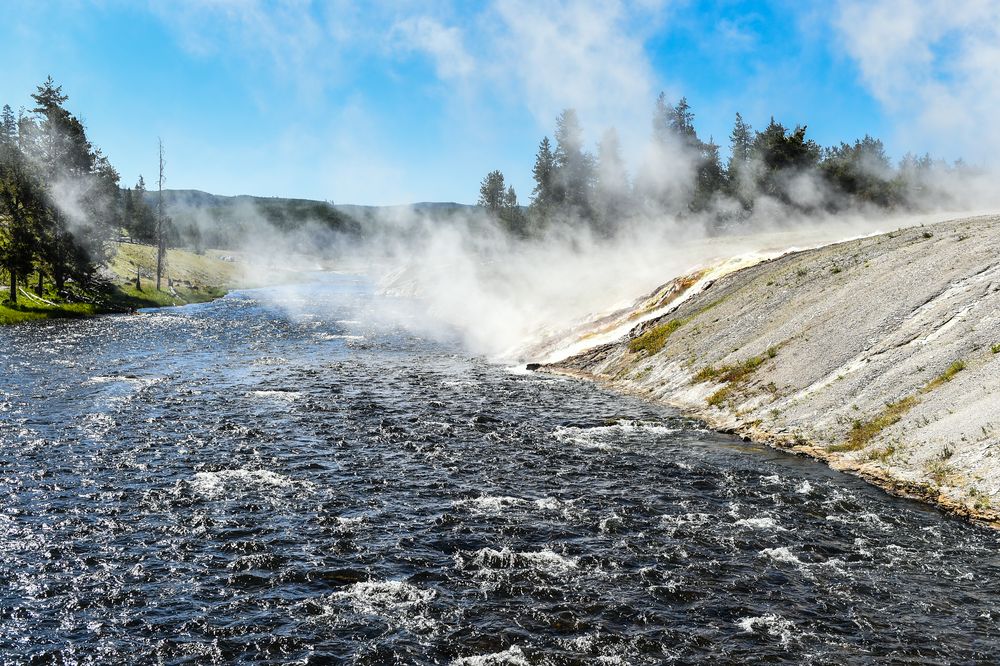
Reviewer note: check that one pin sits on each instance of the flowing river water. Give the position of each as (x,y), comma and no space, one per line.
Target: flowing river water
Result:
(242,482)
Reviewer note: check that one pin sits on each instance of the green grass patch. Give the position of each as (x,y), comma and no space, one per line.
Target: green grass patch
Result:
(733,376)
(654,339)
(995,348)
(945,376)
(865,431)
(939,471)
(883,454)
(26,310)
(706,374)
(719,398)
(736,372)
(107,300)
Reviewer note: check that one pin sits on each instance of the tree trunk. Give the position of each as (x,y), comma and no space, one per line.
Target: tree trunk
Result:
(58,278)
(138,283)
(159,258)
(13,286)
(160,243)
(40,288)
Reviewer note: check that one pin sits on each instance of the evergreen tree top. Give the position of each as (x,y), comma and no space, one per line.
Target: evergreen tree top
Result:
(49,96)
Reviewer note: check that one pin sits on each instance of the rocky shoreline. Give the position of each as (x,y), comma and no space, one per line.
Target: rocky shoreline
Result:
(879,356)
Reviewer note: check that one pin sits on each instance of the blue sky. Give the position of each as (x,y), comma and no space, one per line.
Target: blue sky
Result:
(383,103)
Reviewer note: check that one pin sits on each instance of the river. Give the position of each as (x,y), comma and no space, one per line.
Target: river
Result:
(284,475)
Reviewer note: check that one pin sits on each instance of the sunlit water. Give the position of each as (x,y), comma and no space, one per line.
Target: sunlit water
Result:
(231,482)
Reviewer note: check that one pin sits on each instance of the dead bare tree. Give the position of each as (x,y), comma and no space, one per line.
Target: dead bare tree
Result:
(161,245)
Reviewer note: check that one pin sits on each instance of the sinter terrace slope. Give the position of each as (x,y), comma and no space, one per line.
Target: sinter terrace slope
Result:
(879,355)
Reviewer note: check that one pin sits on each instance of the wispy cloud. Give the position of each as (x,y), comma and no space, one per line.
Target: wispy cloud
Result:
(288,40)
(546,56)
(445,45)
(935,67)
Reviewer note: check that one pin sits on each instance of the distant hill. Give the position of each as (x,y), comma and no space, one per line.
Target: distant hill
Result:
(212,220)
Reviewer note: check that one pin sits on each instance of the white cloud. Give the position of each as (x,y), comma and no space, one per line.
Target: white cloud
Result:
(288,39)
(935,67)
(547,56)
(444,44)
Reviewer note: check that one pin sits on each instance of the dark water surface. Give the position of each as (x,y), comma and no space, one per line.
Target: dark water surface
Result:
(229,482)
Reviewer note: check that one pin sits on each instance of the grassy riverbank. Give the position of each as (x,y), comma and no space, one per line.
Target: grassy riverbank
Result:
(189,278)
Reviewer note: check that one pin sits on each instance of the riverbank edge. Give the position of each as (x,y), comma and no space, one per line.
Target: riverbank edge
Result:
(190,277)
(120,303)
(796,443)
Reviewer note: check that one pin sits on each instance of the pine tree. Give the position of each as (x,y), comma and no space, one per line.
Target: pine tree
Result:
(8,127)
(711,178)
(542,196)
(510,198)
(861,171)
(667,182)
(681,123)
(19,205)
(143,221)
(662,113)
(740,144)
(61,148)
(612,188)
(738,170)
(492,191)
(779,154)
(511,212)
(574,168)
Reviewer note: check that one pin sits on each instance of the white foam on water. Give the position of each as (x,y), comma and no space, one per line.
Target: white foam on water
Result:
(397,601)
(784,555)
(580,643)
(217,484)
(338,336)
(288,396)
(512,656)
(762,523)
(609,523)
(567,508)
(868,519)
(546,560)
(781,554)
(270,360)
(122,389)
(804,488)
(378,596)
(347,522)
(490,504)
(552,503)
(598,436)
(587,643)
(676,520)
(770,624)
